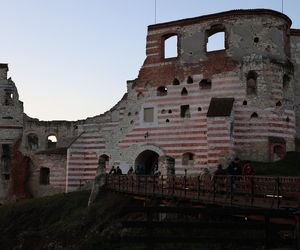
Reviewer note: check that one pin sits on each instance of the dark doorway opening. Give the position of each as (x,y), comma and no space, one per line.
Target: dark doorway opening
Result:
(146,162)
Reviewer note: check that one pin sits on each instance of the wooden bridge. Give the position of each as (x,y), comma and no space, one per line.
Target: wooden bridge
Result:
(231,203)
(242,191)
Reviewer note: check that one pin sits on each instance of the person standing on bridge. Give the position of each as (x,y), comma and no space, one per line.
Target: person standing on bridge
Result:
(118,171)
(205,179)
(234,167)
(220,179)
(112,171)
(248,170)
(130,171)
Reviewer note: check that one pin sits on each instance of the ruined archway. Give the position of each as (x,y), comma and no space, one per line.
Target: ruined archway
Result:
(146,162)
(103,161)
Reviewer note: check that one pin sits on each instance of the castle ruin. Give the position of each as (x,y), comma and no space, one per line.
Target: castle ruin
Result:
(194,109)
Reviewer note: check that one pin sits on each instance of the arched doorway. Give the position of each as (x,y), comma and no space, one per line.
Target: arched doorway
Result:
(146,162)
(103,161)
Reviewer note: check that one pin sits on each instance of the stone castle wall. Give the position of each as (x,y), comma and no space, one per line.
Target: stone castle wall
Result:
(199,108)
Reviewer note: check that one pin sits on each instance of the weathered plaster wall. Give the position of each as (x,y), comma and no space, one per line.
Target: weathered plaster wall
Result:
(64,131)
(11,126)
(295,52)
(254,41)
(56,162)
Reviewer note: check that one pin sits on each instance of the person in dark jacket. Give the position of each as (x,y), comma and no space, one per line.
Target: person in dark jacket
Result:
(118,171)
(113,170)
(130,171)
(234,167)
(220,170)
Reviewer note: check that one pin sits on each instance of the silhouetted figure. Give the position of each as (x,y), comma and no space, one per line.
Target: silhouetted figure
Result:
(130,171)
(156,172)
(219,179)
(118,171)
(113,170)
(220,170)
(248,170)
(234,167)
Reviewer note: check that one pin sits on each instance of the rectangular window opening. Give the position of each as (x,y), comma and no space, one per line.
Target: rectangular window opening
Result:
(185,111)
(44,176)
(148,114)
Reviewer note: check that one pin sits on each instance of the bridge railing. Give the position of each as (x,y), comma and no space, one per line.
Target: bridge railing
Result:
(260,191)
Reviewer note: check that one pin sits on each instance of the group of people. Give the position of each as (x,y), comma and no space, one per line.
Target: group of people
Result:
(138,171)
(235,168)
(115,171)
(118,171)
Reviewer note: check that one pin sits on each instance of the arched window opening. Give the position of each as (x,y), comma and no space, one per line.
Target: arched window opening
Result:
(184,92)
(171,46)
(167,120)
(205,84)
(188,159)
(254,115)
(285,83)
(215,38)
(245,103)
(32,142)
(162,91)
(199,109)
(176,81)
(51,141)
(170,111)
(190,80)
(278,104)
(251,83)
(287,119)
(44,176)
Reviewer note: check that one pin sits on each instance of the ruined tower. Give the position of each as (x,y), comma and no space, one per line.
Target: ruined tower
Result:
(11,127)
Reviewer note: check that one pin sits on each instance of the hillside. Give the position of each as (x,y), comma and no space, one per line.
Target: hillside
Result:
(60,222)
(63,222)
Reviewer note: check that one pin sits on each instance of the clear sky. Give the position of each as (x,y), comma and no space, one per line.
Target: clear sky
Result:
(70,59)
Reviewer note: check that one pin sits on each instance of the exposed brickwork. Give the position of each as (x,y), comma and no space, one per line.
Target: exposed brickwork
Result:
(19,174)
(259,70)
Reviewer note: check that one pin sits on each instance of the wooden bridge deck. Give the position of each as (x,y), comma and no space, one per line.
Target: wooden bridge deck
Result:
(241,191)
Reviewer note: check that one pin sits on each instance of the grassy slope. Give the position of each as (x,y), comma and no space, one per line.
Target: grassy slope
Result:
(64,222)
(59,222)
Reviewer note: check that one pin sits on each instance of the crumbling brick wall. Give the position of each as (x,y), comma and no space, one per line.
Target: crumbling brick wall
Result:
(255,41)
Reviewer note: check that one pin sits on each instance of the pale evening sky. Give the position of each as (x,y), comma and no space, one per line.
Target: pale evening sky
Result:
(70,59)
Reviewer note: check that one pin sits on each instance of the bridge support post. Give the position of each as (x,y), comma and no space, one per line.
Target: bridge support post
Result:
(166,166)
(100,180)
(268,233)
(149,230)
